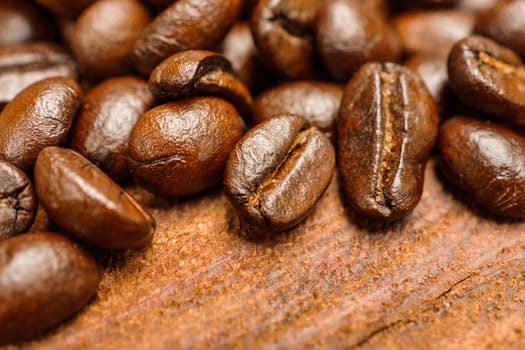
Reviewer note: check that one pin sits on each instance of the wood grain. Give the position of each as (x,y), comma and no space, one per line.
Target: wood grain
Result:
(448,276)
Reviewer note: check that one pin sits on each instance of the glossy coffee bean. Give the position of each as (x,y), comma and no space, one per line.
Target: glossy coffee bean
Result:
(23,65)
(344,48)
(180,148)
(22,22)
(39,116)
(87,204)
(429,3)
(505,24)
(283,31)
(184,25)
(17,201)
(104,36)
(44,279)
(278,171)
(196,73)
(66,8)
(487,161)
(489,78)
(316,101)
(387,127)
(109,112)
(433,32)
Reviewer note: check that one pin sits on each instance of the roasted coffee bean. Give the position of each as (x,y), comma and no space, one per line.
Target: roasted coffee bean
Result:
(316,101)
(87,204)
(44,279)
(343,47)
(39,116)
(386,129)
(476,6)
(23,65)
(278,171)
(180,148)
(22,22)
(487,161)
(17,201)
(505,24)
(429,3)
(199,72)
(101,131)
(104,35)
(433,32)
(184,25)
(488,77)
(283,31)
(66,8)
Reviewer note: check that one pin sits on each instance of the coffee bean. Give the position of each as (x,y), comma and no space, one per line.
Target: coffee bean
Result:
(180,148)
(386,129)
(87,204)
(104,36)
(44,279)
(487,161)
(66,8)
(316,101)
(429,3)
(23,22)
(278,171)
(433,32)
(504,23)
(23,65)
(488,77)
(198,72)
(17,201)
(184,25)
(110,110)
(343,47)
(39,116)
(476,6)
(283,32)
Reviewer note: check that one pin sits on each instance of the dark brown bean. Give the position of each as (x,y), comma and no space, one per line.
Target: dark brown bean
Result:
(429,3)
(180,148)
(487,161)
(66,8)
(110,110)
(87,204)
(316,101)
(505,24)
(433,32)
(40,116)
(283,31)
(44,279)
(184,25)
(23,65)
(198,72)
(350,34)
(489,78)
(386,129)
(17,201)
(278,171)
(23,22)
(104,36)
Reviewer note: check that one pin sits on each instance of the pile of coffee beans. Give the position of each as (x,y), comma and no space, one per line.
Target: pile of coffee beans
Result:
(267,98)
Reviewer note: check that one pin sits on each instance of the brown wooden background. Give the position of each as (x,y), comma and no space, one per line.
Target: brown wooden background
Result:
(448,276)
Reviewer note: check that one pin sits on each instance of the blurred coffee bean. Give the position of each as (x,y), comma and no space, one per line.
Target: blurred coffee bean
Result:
(44,279)
(386,129)
(180,148)
(184,25)
(101,131)
(104,35)
(39,116)
(87,204)
(343,47)
(429,3)
(487,162)
(22,22)
(66,8)
(476,6)
(278,171)
(489,78)
(23,65)
(17,201)
(316,101)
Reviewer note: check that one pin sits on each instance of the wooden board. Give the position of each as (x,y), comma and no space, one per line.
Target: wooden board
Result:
(448,276)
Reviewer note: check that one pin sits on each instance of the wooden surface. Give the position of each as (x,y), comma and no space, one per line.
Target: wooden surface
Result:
(448,276)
